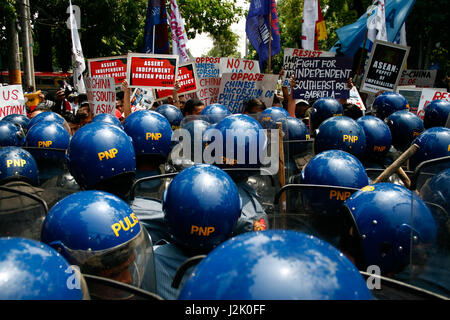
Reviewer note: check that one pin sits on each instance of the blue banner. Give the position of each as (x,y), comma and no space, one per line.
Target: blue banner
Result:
(156,26)
(257,28)
(351,37)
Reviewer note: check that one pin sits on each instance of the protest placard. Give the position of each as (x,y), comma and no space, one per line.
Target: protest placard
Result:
(155,71)
(418,78)
(187,79)
(12,101)
(428,95)
(236,88)
(101,94)
(233,65)
(322,77)
(412,95)
(385,66)
(115,67)
(141,99)
(209,90)
(291,55)
(355,99)
(207,67)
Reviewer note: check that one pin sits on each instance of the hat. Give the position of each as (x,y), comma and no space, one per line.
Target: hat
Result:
(297,101)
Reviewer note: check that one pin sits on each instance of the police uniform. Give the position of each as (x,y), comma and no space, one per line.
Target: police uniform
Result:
(168,258)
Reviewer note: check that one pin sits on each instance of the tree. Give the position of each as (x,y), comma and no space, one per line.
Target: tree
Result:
(225,46)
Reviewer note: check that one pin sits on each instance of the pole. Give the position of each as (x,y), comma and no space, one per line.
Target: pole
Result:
(270,37)
(13,54)
(25,41)
(30,47)
(153,41)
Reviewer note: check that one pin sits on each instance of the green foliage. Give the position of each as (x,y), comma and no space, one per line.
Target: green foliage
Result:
(225,45)
(115,27)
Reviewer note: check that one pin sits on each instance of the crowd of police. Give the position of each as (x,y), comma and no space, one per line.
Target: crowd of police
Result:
(113,201)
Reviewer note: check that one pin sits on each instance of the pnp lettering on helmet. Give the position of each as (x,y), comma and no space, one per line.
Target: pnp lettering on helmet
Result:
(108,154)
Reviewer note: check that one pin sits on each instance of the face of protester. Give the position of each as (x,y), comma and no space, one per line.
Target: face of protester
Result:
(119,105)
(198,109)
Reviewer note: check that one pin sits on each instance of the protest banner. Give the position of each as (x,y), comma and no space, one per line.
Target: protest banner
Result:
(236,88)
(12,101)
(322,77)
(355,99)
(154,71)
(141,99)
(209,90)
(233,65)
(291,55)
(385,66)
(187,79)
(412,95)
(428,95)
(101,94)
(418,78)
(114,67)
(207,67)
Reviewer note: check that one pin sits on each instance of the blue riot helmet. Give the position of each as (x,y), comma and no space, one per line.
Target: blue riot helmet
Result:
(437,190)
(433,143)
(47,134)
(201,207)
(384,219)
(275,265)
(295,130)
(19,119)
(405,126)
(436,194)
(101,156)
(49,116)
(270,116)
(11,134)
(215,112)
(31,270)
(172,114)
(243,142)
(99,232)
(332,168)
(378,137)
(18,164)
(322,109)
(108,118)
(342,133)
(387,103)
(436,113)
(150,131)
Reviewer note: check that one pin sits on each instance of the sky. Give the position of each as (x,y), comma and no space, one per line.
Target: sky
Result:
(202,43)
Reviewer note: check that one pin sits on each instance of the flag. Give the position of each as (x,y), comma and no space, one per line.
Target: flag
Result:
(257,28)
(179,36)
(156,34)
(376,24)
(351,37)
(313,25)
(321,29)
(77,54)
(401,36)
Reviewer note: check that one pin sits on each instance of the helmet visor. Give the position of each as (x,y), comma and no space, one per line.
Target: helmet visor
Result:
(125,263)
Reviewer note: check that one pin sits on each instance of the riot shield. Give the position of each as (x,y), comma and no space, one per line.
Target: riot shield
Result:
(429,266)
(22,211)
(51,162)
(101,288)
